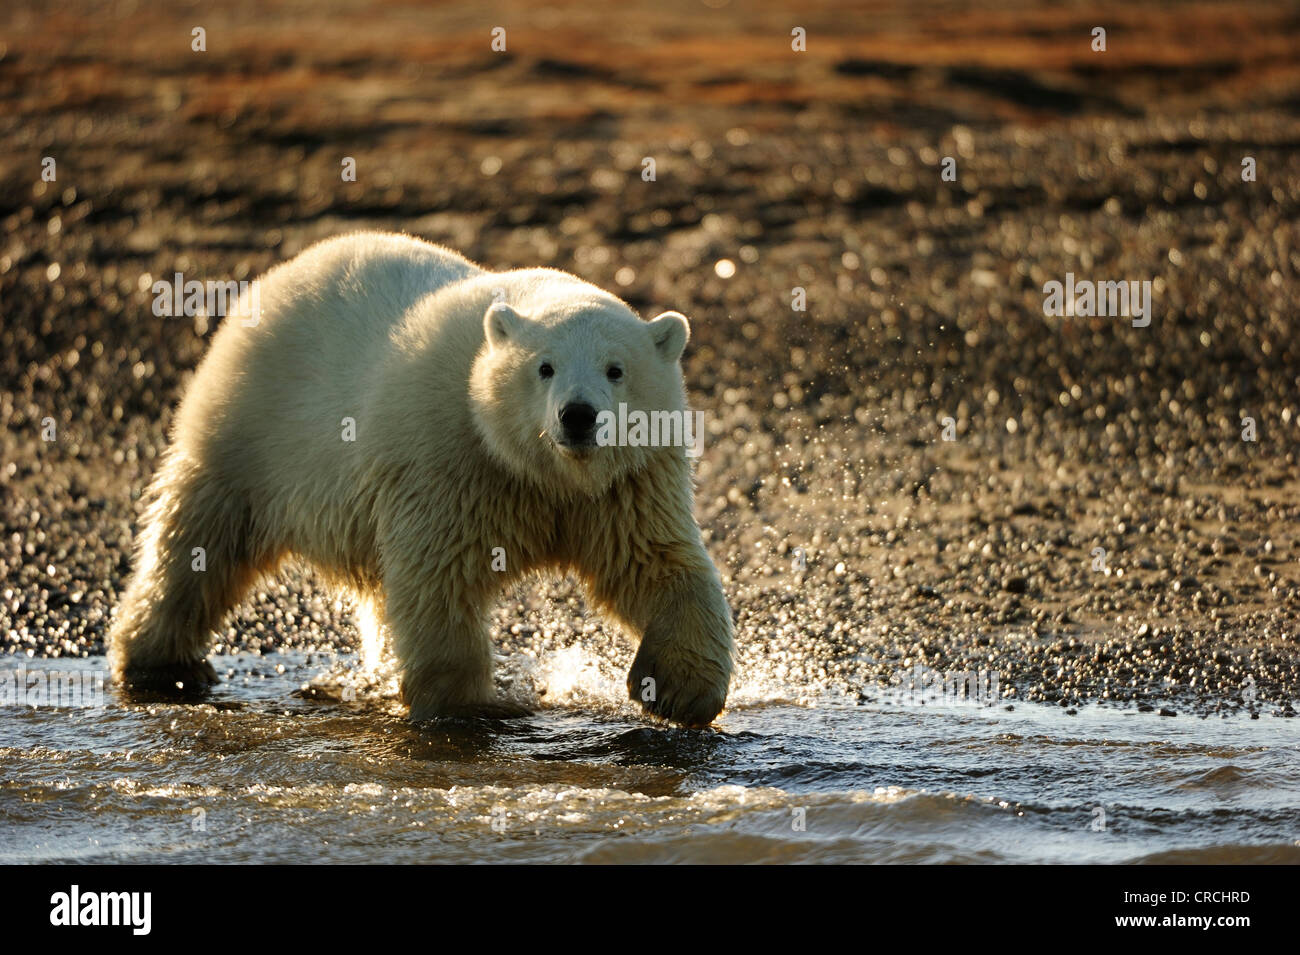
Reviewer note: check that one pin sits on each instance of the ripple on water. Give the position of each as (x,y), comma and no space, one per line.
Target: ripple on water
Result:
(258,774)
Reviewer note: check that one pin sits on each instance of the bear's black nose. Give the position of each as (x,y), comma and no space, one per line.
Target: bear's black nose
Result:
(578,421)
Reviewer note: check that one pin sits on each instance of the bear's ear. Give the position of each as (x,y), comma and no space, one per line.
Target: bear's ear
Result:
(670,332)
(501,324)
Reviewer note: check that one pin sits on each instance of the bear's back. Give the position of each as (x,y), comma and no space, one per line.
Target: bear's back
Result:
(324,316)
(370,279)
(268,403)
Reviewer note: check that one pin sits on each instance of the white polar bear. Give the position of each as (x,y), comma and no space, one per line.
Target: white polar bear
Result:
(472,399)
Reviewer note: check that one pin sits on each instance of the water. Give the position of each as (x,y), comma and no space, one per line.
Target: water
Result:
(261,773)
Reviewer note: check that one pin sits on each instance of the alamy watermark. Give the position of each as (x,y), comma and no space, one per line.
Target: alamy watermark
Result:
(922,686)
(55,688)
(132,910)
(178,297)
(651,429)
(1086,299)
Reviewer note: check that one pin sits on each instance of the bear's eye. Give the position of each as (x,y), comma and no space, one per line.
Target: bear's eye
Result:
(614,373)
(546,371)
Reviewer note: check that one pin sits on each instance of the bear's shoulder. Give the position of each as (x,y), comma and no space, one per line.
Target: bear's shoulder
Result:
(377,257)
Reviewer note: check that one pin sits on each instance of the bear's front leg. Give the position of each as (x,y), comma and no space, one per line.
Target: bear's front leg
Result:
(682,669)
(444,654)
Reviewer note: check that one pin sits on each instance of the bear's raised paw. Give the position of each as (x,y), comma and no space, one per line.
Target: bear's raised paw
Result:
(692,698)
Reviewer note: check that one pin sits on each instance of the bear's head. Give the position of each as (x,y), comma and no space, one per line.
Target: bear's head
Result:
(558,379)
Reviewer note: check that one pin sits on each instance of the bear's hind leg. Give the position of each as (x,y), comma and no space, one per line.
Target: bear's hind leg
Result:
(192,565)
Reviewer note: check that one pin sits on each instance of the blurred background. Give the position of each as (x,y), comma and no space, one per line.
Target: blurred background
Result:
(775,170)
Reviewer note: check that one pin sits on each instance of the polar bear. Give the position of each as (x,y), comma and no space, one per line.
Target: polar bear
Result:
(423,432)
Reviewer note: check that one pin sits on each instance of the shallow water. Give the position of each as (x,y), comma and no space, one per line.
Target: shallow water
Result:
(261,773)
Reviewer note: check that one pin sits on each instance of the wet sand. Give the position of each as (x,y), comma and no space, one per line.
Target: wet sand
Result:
(819,170)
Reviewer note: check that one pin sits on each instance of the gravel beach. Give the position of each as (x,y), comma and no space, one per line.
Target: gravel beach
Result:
(917,469)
